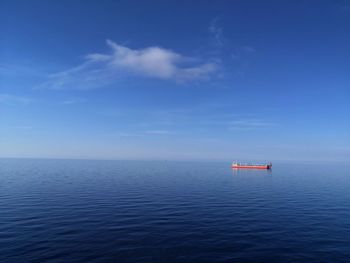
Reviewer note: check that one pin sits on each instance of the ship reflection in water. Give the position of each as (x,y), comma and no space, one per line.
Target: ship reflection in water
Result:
(238,171)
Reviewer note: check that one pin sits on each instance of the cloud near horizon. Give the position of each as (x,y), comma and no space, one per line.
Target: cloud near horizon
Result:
(151,62)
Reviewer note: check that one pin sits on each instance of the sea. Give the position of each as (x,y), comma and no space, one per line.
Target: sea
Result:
(173,211)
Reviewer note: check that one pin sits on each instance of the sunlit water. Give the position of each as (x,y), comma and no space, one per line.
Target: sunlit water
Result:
(128,211)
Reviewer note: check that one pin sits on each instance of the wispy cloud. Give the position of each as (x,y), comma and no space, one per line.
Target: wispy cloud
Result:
(158,132)
(128,134)
(343,6)
(144,133)
(152,62)
(71,101)
(208,118)
(249,124)
(227,51)
(248,49)
(12,70)
(23,127)
(14,99)
(88,75)
(243,51)
(216,32)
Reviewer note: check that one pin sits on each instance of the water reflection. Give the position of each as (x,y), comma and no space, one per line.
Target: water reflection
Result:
(238,171)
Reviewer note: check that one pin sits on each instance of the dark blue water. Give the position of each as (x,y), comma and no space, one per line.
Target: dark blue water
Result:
(127,211)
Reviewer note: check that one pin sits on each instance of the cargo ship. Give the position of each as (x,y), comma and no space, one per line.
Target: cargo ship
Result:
(237,165)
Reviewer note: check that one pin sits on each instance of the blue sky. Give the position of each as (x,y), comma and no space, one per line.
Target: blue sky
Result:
(182,80)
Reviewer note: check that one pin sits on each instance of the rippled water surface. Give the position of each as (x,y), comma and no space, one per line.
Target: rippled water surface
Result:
(128,211)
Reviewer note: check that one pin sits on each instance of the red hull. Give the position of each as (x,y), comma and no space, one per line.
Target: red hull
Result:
(252,166)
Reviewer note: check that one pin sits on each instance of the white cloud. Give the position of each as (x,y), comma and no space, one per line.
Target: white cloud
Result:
(153,62)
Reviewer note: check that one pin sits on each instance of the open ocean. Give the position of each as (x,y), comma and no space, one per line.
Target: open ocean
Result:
(165,211)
